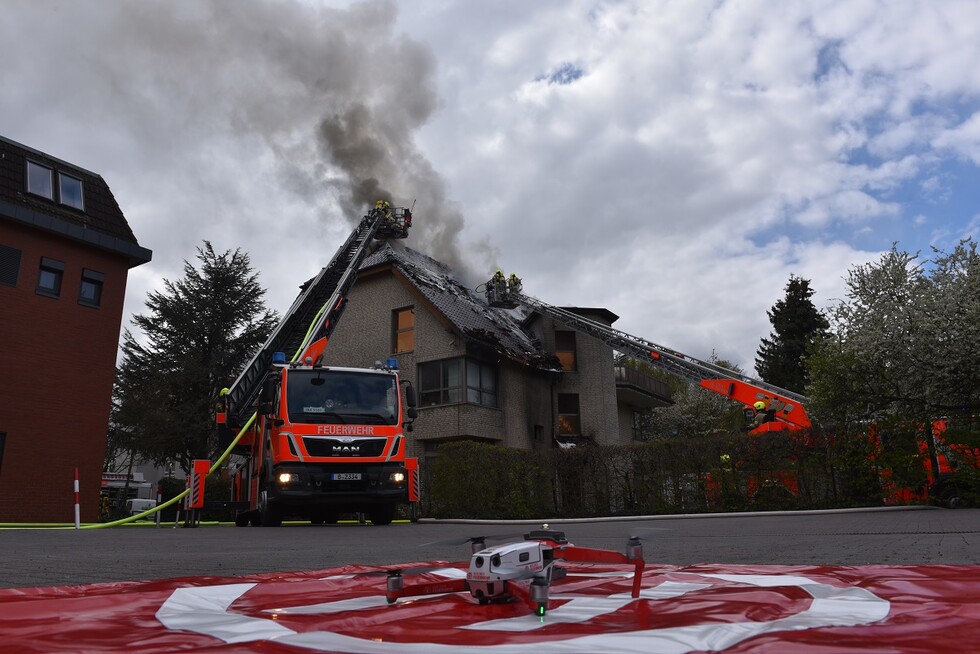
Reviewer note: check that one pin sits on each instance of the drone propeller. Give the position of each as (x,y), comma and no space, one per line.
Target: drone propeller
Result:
(392,572)
(476,542)
(645,532)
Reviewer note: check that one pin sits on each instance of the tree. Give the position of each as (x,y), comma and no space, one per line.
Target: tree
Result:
(904,348)
(199,332)
(696,411)
(796,323)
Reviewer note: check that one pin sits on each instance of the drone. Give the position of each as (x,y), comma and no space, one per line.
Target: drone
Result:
(521,571)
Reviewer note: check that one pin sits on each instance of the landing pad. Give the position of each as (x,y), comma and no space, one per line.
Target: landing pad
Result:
(703,608)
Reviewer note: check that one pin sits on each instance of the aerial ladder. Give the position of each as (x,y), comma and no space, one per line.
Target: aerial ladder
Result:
(321,299)
(783,409)
(316,441)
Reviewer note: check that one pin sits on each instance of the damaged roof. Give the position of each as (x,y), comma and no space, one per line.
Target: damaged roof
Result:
(469,313)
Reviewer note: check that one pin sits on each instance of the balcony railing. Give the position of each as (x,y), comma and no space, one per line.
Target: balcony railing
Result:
(634,377)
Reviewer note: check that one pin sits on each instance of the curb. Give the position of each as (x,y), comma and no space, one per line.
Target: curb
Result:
(679,516)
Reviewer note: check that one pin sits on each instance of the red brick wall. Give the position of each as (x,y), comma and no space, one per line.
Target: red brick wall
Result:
(57,362)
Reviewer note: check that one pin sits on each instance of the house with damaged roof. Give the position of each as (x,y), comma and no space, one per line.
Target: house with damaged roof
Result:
(508,377)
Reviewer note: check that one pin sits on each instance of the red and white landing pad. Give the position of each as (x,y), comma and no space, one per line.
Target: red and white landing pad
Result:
(703,608)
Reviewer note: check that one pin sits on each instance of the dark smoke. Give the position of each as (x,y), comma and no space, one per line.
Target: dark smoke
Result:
(335,95)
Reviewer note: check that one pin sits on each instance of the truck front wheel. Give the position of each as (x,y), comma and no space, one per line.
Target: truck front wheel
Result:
(269,513)
(383,515)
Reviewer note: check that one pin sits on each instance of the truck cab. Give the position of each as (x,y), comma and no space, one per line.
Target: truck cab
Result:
(329,440)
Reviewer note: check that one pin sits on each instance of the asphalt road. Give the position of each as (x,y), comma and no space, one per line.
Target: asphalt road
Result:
(859,537)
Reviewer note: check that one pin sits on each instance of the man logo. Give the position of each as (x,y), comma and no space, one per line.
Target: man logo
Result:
(346,449)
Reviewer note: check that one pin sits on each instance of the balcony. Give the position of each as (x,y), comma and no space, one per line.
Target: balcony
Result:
(640,390)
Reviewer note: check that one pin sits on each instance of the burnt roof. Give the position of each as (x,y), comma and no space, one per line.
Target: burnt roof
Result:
(479,323)
(101,224)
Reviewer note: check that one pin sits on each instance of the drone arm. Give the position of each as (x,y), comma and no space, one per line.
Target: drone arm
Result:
(591,555)
(432,588)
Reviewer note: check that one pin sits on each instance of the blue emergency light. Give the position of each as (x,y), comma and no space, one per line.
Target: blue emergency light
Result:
(392,364)
(279,358)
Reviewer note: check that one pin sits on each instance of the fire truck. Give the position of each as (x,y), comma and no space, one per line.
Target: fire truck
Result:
(316,441)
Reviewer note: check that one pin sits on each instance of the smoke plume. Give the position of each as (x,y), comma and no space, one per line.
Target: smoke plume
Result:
(333,97)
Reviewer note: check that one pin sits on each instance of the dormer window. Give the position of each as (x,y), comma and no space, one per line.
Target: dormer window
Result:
(70,191)
(39,180)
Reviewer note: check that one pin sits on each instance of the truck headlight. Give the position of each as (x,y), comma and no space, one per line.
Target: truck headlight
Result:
(397,477)
(288,478)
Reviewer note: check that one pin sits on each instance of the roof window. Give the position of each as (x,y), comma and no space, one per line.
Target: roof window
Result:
(70,191)
(39,180)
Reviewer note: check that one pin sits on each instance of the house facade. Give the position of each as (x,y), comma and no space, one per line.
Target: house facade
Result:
(65,254)
(507,377)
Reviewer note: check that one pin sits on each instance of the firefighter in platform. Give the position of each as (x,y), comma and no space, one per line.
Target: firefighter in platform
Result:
(388,227)
(514,285)
(761,415)
(498,286)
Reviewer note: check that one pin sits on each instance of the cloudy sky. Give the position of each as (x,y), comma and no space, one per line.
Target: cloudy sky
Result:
(674,161)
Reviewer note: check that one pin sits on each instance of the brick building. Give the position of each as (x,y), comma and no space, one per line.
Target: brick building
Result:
(500,376)
(65,253)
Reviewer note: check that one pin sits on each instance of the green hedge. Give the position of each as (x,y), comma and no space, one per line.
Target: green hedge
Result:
(730,472)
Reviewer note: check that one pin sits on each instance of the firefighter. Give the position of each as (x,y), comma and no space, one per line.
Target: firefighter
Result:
(514,284)
(761,415)
(499,282)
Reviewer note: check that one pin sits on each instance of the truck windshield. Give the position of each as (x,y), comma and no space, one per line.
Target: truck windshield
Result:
(327,396)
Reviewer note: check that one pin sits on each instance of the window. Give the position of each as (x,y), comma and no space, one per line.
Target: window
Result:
(90,290)
(565,350)
(70,191)
(441,382)
(49,277)
(9,265)
(569,420)
(481,383)
(403,328)
(39,180)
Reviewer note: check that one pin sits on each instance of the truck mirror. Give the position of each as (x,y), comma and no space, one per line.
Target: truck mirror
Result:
(268,391)
(410,399)
(413,413)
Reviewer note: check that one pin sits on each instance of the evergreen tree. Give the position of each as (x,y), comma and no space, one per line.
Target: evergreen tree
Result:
(199,332)
(796,323)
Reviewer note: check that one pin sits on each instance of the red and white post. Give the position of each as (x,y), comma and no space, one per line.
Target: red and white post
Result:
(77,512)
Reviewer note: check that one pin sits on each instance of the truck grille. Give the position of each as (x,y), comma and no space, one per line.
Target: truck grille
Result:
(327,447)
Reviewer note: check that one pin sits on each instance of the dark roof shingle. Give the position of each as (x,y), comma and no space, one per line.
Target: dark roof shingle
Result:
(478,322)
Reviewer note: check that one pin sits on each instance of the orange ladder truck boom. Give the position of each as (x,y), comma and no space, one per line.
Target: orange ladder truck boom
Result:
(785,408)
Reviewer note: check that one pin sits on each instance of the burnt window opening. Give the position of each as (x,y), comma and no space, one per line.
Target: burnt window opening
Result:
(90,289)
(569,419)
(565,350)
(9,265)
(403,330)
(49,277)
(442,382)
(39,180)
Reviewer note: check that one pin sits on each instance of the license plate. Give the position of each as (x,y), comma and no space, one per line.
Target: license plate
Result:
(345,476)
